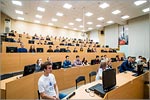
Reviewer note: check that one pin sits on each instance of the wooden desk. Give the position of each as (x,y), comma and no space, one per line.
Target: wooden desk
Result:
(17,61)
(128,87)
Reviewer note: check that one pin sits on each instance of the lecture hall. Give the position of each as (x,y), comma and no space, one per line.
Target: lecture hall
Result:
(74,49)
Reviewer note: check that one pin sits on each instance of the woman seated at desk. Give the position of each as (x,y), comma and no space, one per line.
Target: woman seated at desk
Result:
(100,70)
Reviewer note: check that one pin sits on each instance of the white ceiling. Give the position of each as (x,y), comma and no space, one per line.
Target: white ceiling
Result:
(29,7)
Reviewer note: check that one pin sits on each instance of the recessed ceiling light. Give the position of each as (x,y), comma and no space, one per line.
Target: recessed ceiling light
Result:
(36,21)
(116,12)
(98,25)
(145,10)
(19,12)
(100,18)
(54,19)
(78,19)
(81,26)
(89,23)
(88,14)
(41,9)
(46,0)
(90,28)
(109,22)
(125,17)
(50,24)
(104,5)
(74,28)
(67,6)
(65,26)
(17,3)
(71,23)
(137,3)
(20,18)
(38,16)
(59,14)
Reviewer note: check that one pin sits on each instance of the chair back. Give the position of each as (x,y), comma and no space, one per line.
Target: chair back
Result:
(79,79)
(93,73)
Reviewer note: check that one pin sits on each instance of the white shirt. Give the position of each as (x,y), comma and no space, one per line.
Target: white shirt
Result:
(46,85)
(99,74)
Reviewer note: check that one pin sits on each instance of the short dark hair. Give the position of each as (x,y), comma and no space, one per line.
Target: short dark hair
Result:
(129,57)
(97,56)
(77,56)
(66,56)
(45,64)
(50,46)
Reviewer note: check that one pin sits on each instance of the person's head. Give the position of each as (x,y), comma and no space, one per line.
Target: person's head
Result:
(105,56)
(140,57)
(103,65)
(144,59)
(39,61)
(57,47)
(50,47)
(129,58)
(67,57)
(67,48)
(21,45)
(49,59)
(47,66)
(77,57)
(97,57)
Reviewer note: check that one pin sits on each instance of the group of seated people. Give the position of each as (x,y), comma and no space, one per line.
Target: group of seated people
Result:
(77,62)
(131,64)
(33,50)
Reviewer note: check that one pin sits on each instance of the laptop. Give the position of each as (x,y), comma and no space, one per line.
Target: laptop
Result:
(98,89)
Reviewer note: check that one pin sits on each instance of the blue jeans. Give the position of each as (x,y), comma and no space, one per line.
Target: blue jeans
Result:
(62,95)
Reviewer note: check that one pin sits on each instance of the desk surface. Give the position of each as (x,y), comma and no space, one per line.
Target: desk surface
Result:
(122,78)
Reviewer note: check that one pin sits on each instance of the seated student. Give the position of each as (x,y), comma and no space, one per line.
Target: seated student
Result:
(38,65)
(67,62)
(97,60)
(32,49)
(89,49)
(47,37)
(50,49)
(94,49)
(45,42)
(36,36)
(67,50)
(117,58)
(22,49)
(109,64)
(105,58)
(47,85)
(84,62)
(77,62)
(57,49)
(100,70)
(81,49)
(138,59)
(49,59)
(75,50)
(19,40)
(126,65)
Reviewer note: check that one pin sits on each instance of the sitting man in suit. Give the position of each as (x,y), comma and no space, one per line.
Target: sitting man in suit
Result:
(126,65)
(22,49)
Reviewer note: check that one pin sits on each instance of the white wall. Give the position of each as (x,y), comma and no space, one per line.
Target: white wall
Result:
(44,30)
(139,36)
(94,35)
(111,35)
